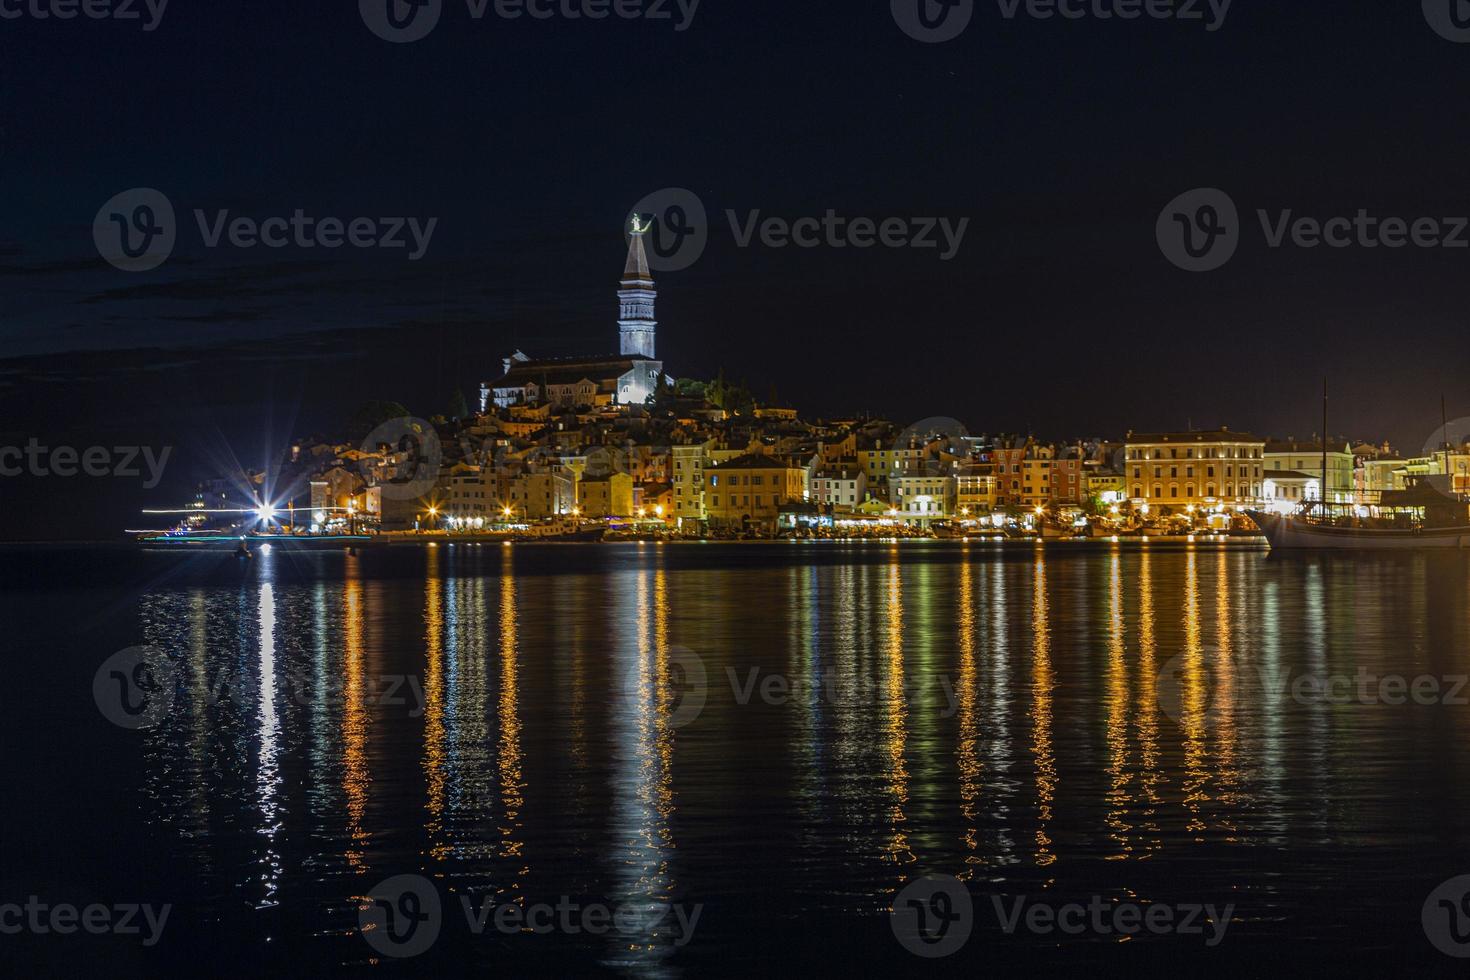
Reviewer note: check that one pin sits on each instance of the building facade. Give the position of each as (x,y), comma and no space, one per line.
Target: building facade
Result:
(1194,469)
(749,490)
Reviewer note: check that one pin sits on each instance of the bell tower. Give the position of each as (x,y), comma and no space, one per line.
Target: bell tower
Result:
(636,323)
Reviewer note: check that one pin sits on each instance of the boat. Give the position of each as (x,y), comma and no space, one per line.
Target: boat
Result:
(1425,513)
(212,541)
(1422,515)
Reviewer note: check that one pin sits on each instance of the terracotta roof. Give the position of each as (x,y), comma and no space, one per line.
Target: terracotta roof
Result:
(1208,435)
(567,371)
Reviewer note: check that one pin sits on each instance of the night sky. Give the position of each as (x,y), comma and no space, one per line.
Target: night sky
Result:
(530,140)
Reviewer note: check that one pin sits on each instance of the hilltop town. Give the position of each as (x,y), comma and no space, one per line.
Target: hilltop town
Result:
(558,446)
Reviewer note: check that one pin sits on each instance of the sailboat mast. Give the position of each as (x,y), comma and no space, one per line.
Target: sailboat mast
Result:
(1444,418)
(1323,493)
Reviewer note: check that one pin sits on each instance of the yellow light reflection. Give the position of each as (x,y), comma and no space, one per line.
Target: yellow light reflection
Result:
(896,712)
(435,741)
(509,759)
(1043,683)
(355,775)
(967,756)
(1119,773)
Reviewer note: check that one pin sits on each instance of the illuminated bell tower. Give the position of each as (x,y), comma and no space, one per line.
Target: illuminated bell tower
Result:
(636,323)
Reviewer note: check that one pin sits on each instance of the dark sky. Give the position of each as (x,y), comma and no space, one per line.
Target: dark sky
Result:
(529,140)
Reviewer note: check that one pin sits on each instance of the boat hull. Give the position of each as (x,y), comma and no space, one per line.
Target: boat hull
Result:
(1289,533)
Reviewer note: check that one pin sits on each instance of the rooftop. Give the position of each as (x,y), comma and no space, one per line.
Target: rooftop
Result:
(1203,435)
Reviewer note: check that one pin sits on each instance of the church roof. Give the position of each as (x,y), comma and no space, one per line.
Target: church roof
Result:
(566,371)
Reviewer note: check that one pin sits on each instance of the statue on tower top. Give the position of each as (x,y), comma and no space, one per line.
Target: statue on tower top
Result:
(641,229)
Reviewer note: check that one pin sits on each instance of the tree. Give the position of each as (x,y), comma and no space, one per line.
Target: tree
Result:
(458,408)
(371,415)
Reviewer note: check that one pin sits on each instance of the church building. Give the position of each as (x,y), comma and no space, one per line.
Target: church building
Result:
(590,382)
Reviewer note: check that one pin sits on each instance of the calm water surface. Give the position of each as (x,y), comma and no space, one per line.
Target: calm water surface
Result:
(780,736)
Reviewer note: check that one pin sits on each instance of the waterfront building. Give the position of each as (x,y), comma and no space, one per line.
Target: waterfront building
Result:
(607,495)
(539,496)
(1289,455)
(1008,458)
(468,496)
(842,485)
(749,490)
(1284,490)
(974,489)
(922,498)
(1068,485)
(331,491)
(1194,469)
(881,464)
(688,478)
(1036,476)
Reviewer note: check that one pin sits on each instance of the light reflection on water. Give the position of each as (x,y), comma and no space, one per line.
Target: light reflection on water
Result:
(992,714)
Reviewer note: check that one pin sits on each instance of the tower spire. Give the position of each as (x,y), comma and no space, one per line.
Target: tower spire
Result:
(637,297)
